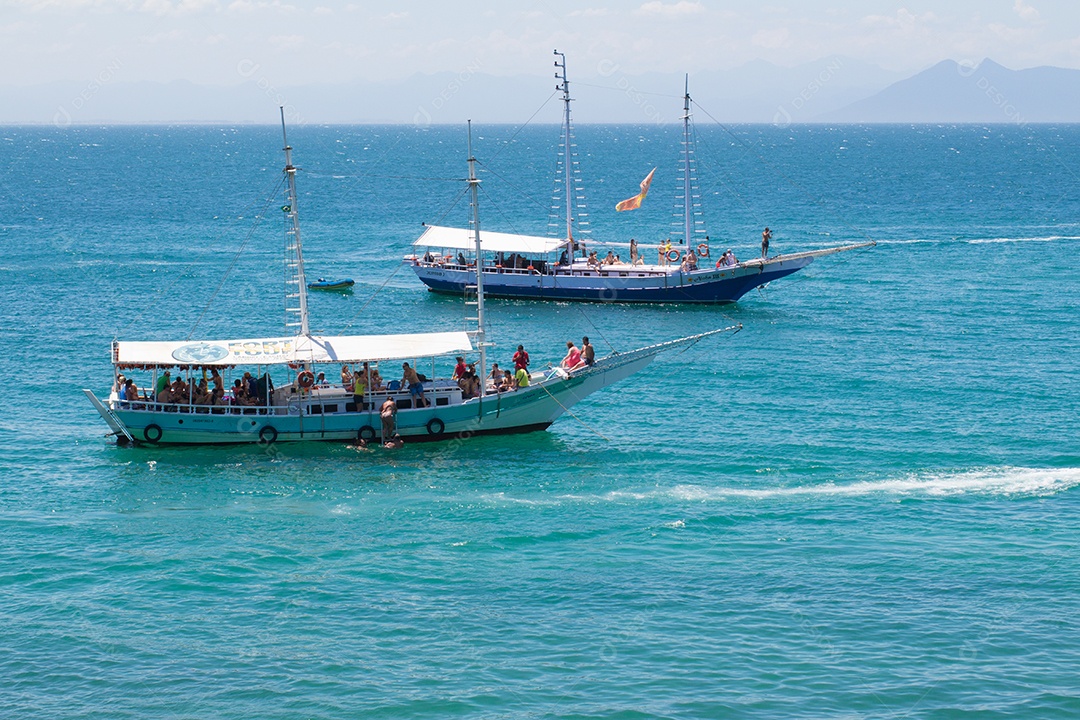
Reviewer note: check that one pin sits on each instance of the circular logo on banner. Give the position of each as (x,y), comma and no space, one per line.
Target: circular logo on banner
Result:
(200,353)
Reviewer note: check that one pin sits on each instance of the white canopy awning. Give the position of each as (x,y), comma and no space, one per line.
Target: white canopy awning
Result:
(463,239)
(309,349)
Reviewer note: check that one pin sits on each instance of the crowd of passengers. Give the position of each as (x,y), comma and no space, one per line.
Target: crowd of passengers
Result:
(689,261)
(249,391)
(209,390)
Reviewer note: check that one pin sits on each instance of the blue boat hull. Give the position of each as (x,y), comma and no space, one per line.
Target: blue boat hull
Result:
(705,287)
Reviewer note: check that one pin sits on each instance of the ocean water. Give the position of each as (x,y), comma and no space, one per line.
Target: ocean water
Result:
(861,505)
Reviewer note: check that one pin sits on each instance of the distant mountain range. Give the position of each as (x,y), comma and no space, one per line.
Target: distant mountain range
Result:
(833,90)
(951,92)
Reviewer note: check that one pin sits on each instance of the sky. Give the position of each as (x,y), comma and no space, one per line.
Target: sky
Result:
(225,42)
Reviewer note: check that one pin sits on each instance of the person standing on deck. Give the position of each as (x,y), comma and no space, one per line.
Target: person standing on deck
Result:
(633,251)
(766,236)
(359,389)
(521,358)
(411,380)
(665,248)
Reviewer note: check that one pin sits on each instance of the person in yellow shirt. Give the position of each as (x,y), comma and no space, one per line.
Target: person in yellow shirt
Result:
(359,389)
(521,377)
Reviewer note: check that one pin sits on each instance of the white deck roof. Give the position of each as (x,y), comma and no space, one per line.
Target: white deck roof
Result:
(462,239)
(310,349)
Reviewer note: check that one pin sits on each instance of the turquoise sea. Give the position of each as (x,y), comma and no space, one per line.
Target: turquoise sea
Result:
(862,505)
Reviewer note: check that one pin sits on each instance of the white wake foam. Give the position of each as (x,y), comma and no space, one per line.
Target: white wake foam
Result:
(990,481)
(1047,238)
(997,481)
(980,241)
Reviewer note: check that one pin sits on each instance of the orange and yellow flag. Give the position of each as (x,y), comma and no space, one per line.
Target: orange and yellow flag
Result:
(635,202)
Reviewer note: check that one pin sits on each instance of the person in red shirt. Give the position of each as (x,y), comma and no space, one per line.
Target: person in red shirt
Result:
(521,359)
(459,369)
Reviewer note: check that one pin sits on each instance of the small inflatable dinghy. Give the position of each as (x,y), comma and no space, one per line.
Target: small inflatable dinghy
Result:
(324,284)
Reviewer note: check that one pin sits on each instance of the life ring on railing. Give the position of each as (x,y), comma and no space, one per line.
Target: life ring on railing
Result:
(703,250)
(152,433)
(673,255)
(306,379)
(267,435)
(435,426)
(366,433)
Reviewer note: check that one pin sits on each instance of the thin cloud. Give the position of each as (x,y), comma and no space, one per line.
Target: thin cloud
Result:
(1025,11)
(286,42)
(904,19)
(167,7)
(771,39)
(678,9)
(591,12)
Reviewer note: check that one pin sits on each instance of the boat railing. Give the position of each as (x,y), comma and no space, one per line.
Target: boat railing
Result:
(331,400)
(439,264)
(578,270)
(193,409)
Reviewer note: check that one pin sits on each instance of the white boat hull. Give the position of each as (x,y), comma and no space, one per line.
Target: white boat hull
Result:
(524,410)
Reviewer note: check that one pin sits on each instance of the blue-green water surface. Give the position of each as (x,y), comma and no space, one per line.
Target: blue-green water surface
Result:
(864,504)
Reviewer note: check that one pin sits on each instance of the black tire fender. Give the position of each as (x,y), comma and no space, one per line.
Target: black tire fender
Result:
(366,433)
(267,435)
(435,426)
(152,433)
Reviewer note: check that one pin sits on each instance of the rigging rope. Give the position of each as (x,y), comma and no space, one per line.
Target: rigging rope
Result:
(236,257)
(598,331)
(806,193)
(180,276)
(338,176)
(570,412)
(727,181)
(691,345)
(368,301)
(498,210)
(803,276)
(521,192)
(522,126)
(623,90)
(453,204)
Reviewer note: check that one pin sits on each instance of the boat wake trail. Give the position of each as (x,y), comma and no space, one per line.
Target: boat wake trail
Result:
(980,241)
(989,481)
(996,481)
(1047,238)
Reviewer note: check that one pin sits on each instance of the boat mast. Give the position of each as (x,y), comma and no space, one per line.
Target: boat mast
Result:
(693,224)
(686,166)
(564,85)
(474,188)
(294,251)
